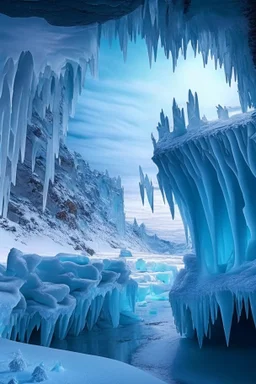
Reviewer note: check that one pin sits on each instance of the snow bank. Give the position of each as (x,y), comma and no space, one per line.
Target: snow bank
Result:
(76,368)
(62,294)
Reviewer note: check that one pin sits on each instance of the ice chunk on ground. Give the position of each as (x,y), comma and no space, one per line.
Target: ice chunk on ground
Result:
(125,253)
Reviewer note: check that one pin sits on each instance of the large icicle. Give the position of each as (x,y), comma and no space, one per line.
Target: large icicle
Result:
(147,185)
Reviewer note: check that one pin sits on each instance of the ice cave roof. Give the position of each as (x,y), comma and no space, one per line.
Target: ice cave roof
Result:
(70,12)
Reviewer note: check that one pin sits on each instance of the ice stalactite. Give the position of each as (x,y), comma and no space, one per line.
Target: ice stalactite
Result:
(25,93)
(61,295)
(213,306)
(52,78)
(141,185)
(146,185)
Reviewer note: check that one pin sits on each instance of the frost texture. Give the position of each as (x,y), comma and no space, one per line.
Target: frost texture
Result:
(62,294)
(29,86)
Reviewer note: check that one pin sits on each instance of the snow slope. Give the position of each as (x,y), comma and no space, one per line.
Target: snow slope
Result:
(78,368)
(84,208)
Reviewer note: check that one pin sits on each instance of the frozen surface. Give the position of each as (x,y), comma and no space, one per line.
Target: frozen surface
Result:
(77,368)
(155,346)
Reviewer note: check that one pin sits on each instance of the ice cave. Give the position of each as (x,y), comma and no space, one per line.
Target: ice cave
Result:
(128,245)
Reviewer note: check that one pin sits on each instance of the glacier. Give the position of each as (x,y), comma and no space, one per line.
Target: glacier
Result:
(62,294)
(210,172)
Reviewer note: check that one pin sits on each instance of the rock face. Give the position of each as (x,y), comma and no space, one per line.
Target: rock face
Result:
(84,207)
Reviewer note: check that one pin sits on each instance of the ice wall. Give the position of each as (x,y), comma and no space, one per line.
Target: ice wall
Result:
(211,175)
(40,70)
(62,294)
(210,172)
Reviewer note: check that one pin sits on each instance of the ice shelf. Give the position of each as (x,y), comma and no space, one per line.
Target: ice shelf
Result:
(62,294)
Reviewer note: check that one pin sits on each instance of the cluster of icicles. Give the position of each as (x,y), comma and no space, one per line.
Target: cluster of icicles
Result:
(198,303)
(211,174)
(62,294)
(25,91)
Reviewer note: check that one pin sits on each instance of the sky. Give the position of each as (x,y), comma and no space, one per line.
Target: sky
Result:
(119,109)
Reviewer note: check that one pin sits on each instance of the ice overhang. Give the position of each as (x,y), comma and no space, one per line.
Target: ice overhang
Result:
(70,12)
(43,67)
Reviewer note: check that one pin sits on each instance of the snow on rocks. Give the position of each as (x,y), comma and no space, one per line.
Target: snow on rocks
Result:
(61,294)
(39,374)
(18,364)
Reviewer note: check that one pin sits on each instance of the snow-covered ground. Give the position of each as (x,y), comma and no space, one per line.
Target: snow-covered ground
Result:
(74,368)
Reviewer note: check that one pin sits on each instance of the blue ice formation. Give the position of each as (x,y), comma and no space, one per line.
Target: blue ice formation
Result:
(211,174)
(55,86)
(125,253)
(112,191)
(62,294)
(222,112)
(146,185)
(154,278)
(154,243)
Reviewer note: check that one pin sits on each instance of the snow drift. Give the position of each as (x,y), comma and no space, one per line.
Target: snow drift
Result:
(62,294)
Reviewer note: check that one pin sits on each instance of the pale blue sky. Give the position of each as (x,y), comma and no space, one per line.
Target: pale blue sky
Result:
(120,108)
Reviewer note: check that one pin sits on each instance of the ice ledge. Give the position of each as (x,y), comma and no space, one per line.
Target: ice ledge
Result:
(62,294)
(168,142)
(197,300)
